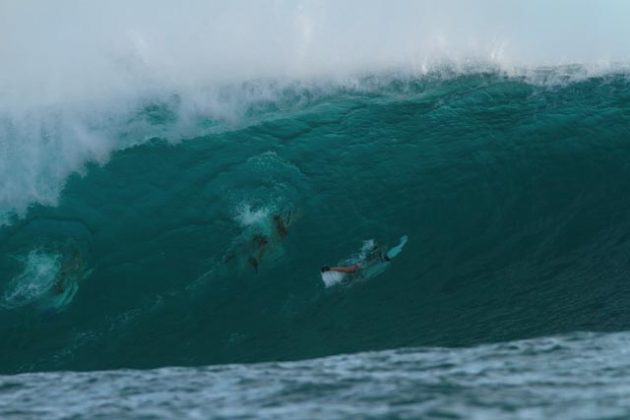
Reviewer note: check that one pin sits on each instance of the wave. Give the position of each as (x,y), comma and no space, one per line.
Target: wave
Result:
(42,147)
(513,194)
(108,80)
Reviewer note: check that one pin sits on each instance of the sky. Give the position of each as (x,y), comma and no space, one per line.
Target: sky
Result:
(70,50)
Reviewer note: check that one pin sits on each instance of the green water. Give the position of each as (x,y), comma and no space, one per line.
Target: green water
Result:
(514,197)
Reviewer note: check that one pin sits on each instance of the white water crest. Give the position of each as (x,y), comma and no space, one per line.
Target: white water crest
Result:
(246,215)
(37,278)
(75,75)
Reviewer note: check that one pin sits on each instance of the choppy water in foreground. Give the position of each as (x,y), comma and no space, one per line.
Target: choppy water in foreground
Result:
(579,376)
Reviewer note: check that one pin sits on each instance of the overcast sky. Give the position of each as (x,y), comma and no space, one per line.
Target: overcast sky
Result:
(74,48)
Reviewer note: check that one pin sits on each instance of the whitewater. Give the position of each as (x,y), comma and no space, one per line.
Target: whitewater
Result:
(71,90)
(173,178)
(523,379)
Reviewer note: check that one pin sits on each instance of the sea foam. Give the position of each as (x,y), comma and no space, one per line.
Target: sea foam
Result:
(75,76)
(37,278)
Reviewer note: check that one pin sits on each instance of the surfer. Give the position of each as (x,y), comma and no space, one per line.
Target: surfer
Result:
(374,253)
(70,267)
(262,241)
(280,225)
(342,269)
(371,261)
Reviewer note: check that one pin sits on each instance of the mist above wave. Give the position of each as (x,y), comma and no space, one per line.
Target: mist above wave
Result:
(72,51)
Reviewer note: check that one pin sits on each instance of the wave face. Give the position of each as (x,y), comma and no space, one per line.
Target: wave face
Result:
(513,194)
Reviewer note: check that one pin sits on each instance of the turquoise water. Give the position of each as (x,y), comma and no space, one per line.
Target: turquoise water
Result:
(513,192)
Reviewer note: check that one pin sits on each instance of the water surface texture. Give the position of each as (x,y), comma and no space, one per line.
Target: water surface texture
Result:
(581,376)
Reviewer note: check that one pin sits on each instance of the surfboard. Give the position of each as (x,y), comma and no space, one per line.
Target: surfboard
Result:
(330,278)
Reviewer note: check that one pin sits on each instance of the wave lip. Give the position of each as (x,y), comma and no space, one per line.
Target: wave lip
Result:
(102,67)
(43,146)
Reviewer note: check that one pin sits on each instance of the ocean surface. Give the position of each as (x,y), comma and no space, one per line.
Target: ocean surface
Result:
(577,376)
(162,228)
